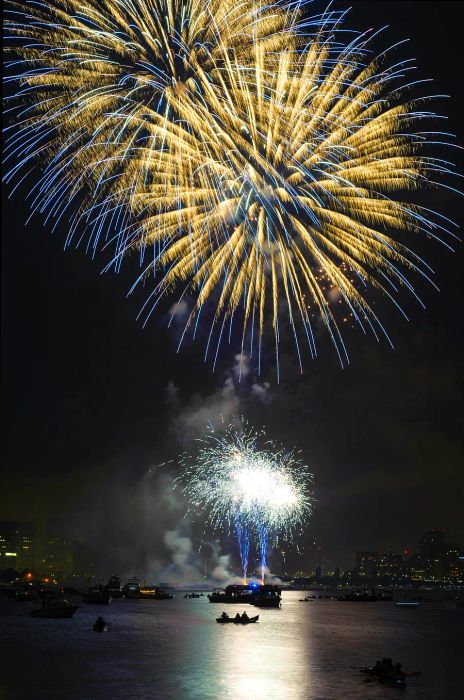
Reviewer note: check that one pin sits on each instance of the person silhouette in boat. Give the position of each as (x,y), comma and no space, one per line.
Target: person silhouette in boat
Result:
(100,623)
(388,669)
(237,618)
(225,616)
(245,617)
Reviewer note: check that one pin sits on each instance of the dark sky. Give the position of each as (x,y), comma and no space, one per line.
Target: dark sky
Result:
(91,400)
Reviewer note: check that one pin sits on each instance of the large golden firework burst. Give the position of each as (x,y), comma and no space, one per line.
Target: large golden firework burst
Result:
(289,203)
(267,178)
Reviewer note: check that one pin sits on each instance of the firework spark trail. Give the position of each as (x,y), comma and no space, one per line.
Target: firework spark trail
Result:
(262,162)
(243,538)
(262,540)
(239,486)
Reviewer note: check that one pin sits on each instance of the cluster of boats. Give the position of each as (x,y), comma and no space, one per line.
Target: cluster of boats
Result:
(132,590)
(364,597)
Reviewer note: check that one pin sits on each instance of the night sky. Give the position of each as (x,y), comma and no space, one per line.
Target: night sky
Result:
(92,400)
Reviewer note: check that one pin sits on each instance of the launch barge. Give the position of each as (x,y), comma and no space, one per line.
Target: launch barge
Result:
(266,596)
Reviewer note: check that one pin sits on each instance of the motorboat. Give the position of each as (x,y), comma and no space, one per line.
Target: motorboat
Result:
(55,609)
(267,596)
(408,603)
(131,589)
(154,593)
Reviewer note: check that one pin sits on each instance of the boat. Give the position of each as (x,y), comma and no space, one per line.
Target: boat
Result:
(96,595)
(147,592)
(390,682)
(55,609)
(267,596)
(193,595)
(224,620)
(233,594)
(408,603)
(131,589)
(114,587)
(154,593)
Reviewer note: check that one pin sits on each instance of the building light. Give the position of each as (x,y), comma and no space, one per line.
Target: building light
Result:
(10,554)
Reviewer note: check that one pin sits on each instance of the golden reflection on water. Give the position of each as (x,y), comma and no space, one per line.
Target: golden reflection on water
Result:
(257,663)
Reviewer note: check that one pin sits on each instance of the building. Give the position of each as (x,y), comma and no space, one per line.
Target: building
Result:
(65,559)
(438,561)
(17,545)
(366,563)
(453,563)
(432,545)
(391,568)
(57,558)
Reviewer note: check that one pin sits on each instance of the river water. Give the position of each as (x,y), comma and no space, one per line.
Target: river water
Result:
(174,649)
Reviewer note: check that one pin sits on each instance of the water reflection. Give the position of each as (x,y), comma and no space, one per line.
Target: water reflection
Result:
(175,650)
(265,659)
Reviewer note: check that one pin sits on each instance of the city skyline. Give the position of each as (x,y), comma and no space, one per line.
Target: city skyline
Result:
(50,554)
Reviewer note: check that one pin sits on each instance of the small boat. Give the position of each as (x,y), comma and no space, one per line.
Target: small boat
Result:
(408,603)
(223,620)
(131,589)
(55,609)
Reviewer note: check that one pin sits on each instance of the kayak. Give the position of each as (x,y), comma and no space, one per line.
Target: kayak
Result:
(222,620)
